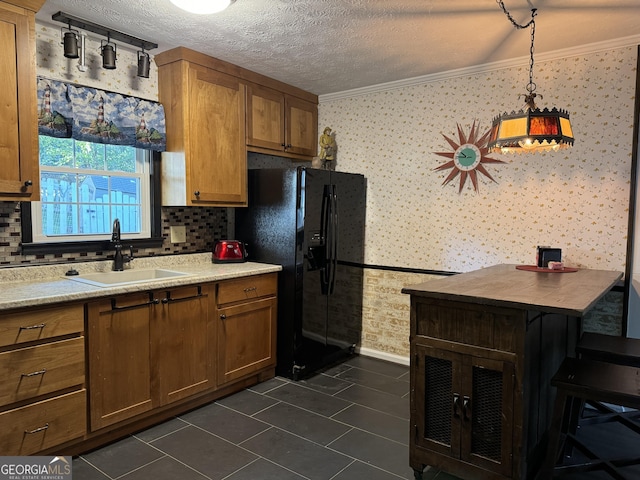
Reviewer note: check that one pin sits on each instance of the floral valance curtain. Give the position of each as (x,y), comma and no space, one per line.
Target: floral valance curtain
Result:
(98,116)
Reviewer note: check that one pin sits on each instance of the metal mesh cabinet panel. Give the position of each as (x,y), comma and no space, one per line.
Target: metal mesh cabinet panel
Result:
(486,437)
(438,395)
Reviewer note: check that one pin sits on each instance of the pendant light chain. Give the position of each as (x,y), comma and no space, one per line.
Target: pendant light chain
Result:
(531,87)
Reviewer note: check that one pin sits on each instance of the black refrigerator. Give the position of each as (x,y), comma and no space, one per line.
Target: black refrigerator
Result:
(312,222)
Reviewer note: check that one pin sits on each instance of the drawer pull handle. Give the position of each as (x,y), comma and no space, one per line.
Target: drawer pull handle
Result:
(250,289)
(36,430)
(34,327)
(33,374)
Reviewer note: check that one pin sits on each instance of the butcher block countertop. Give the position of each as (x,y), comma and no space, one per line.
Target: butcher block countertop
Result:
(42,285)
(568,293)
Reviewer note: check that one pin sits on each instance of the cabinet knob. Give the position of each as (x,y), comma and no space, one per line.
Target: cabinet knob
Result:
(223,317)
(28,183)
(197,193)
(165,300)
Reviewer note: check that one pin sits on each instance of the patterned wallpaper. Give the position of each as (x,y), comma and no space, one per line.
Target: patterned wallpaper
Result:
(53,64)
(576,199)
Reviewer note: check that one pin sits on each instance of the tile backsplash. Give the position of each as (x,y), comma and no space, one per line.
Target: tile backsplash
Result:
(203,227)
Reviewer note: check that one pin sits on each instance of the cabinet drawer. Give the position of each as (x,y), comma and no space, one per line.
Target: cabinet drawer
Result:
(42,425)
(26,326)
(29,372)
(247,288)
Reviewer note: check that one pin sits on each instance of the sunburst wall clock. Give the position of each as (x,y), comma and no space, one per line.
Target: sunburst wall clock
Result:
(468,157)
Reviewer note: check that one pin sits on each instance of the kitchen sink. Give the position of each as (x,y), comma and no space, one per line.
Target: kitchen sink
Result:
(113,279)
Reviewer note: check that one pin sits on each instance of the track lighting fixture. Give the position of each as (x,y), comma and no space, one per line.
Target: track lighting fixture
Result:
(108,52)
(70,42)
(108,49)
(143,64)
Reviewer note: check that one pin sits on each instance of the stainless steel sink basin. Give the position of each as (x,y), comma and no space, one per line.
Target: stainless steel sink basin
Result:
(113,279)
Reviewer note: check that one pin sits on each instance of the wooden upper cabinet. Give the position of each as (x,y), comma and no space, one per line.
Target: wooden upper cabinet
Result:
(206,158)
(301,118)
(19,175)
(265,118)
(281,122)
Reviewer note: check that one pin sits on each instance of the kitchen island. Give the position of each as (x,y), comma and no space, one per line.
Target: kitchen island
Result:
(484,346)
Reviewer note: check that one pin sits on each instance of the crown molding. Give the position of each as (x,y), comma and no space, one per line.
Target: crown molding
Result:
(590,48)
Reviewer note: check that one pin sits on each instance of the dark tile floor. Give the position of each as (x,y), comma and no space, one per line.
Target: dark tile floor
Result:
(350,422)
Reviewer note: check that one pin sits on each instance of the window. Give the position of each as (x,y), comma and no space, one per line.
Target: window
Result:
(85,186)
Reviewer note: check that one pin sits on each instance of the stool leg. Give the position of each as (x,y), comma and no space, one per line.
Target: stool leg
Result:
(554,434)
(576,405)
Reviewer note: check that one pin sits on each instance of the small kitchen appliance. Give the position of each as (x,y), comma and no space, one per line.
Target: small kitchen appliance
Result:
(229,251)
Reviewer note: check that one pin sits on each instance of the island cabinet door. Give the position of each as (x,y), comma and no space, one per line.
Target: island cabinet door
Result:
(463,407)
(487,413)
(437,399)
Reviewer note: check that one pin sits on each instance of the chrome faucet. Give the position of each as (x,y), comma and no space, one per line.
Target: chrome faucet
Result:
(119,259)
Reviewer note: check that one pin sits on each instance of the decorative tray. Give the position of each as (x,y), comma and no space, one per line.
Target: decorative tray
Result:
(534,268)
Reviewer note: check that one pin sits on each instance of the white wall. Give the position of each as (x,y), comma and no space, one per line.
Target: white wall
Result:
(575,199)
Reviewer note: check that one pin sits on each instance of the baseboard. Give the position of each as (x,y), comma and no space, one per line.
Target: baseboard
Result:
(389,357)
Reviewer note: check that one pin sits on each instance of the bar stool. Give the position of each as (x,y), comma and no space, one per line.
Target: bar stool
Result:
(609,348)
(578,381)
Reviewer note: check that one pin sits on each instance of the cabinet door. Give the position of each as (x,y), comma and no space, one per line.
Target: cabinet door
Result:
(437,399)
(119,358)
(487,413)
(463,407)
(182,340)
(19,175)
(265,118)
(216,150)
(301,126)
(246,338)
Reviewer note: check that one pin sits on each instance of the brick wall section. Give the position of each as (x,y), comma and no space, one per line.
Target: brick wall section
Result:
(385,316)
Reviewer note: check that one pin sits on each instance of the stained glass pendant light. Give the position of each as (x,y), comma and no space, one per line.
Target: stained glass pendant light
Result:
(530,130)
(202,6)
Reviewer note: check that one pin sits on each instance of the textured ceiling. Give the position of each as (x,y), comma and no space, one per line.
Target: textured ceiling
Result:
(327,46)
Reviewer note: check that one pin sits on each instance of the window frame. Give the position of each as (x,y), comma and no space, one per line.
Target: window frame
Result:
(155,239)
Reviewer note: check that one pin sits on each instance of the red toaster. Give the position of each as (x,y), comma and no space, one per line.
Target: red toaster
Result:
(229,251)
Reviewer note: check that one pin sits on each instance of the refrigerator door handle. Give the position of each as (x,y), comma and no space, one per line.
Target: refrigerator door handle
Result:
(333,258)
(325,233)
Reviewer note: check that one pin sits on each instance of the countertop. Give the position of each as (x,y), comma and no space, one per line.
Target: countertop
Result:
(568,293)
(42,285)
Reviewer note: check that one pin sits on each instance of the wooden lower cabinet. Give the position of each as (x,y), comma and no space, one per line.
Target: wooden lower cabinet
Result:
(467,412)
(246,315)
(42,425)
(149,356)
(148,350)
(119,345)
(41,369)
(42,378)
(183,336)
